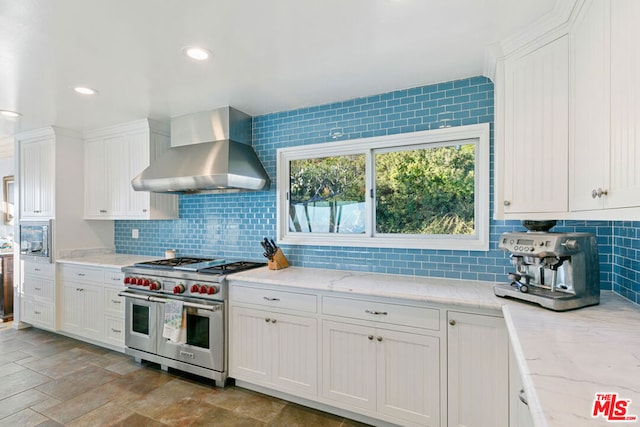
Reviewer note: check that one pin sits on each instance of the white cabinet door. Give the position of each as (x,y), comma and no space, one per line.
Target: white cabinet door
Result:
(536,95)
(73,311)
(95,194)
(478,360)
(589,150)
(249,341)
(349,364)
(519,414)
(624,176)
(36,178)
(274,348)
(408,368)
(83,310)
(295,353)
(139,202)
(117,169)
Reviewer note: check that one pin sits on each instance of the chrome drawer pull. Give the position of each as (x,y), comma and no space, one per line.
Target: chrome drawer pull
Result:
(523,397)
(115,301)
(80,274)
(116,331)
(271,299)
(36,312)
(38,289)
(376,312)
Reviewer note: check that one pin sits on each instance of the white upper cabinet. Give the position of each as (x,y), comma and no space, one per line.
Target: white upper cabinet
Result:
(113,157)
(605,144)
(535,139)
(590,112)
(624,158)
(36,177)
(568,119)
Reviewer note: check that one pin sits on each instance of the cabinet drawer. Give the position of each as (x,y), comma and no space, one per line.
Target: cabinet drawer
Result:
(397,314)
(38,287)
(84,274)
(41,269)
(113,277)
(38,313)
(273,298)
(112,302)
(114,330)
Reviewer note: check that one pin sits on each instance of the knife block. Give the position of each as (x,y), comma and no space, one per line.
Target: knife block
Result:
(279,261)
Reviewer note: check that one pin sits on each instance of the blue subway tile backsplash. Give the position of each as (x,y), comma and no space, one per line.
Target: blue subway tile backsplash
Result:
(231,225)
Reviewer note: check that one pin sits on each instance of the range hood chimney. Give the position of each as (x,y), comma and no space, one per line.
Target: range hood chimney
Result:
(210,152)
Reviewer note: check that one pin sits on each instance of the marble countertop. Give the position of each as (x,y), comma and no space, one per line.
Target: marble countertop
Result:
(565,357)
(107,260)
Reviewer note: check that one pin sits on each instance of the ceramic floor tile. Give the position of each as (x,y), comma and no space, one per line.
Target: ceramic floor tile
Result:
(293,415)
(218,417)
(76,407)
(138,420)
(106,415)
(24,418)
(10,368)
(20,381)
(13,356)
(20,401)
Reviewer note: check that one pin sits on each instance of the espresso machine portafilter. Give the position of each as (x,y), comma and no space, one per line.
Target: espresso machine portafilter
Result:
(559,271)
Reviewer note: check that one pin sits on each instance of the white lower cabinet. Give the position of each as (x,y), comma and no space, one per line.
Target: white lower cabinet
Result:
(82,312)
(380,360)
(382,370)
(478,370)
(275,349)
(91,306)
(38,294)
(519,414)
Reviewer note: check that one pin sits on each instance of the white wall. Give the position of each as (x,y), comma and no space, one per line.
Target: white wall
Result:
(7,167)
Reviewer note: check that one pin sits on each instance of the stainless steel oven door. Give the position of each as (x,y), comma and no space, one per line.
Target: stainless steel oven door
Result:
(141,319)
(205,336)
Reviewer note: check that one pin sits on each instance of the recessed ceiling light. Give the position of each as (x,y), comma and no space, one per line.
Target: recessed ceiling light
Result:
(197,53)
(85,90)
(9,113)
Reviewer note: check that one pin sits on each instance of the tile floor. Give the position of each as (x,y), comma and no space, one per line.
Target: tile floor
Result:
(50,380)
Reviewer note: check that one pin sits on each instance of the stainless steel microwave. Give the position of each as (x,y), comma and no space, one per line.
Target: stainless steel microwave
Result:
(35,240)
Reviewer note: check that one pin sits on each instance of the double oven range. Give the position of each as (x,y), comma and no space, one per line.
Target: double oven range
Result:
(201,285)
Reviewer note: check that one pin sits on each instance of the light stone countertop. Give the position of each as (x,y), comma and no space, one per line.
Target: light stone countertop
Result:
(565,357)
(106,260)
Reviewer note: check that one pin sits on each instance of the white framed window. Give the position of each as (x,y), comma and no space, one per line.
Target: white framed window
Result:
(425,190)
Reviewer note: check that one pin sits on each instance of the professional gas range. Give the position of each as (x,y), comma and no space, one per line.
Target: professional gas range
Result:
(199,286)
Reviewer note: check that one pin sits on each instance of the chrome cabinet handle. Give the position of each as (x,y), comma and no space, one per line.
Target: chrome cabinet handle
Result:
(376,312)
(598,193)
(273,320)
(271,299)
(379,339)
(506,203)
(452,322)
(370,337)
(37,312)
(80,274)
(38,289)
(103,211)
(267,320)
(115,301)
(116,331)
(79,289)
(36,269)
(523,397)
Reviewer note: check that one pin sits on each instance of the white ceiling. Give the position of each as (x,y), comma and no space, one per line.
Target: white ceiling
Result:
(268,55)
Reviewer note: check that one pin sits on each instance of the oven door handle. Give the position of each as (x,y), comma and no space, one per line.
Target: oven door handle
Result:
(213,307)
(135,296)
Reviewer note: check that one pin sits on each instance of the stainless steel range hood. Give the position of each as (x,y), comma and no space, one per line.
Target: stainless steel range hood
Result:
(211,153)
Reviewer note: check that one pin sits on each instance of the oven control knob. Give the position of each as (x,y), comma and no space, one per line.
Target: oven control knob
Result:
(127,280)
(133,281)
(145,282)
(203,289)
(212,290)
(195,289)
(154,286)
(178,289)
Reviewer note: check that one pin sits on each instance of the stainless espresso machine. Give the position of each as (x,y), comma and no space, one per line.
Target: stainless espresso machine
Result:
(559,271)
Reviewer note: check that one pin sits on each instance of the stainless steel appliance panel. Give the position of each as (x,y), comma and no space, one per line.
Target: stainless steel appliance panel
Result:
(205,327)
(141,319)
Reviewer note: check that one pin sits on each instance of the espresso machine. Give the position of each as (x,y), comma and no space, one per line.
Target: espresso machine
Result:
(559,271)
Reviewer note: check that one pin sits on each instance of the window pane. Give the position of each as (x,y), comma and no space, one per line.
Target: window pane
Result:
(426,191)
(327,195)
